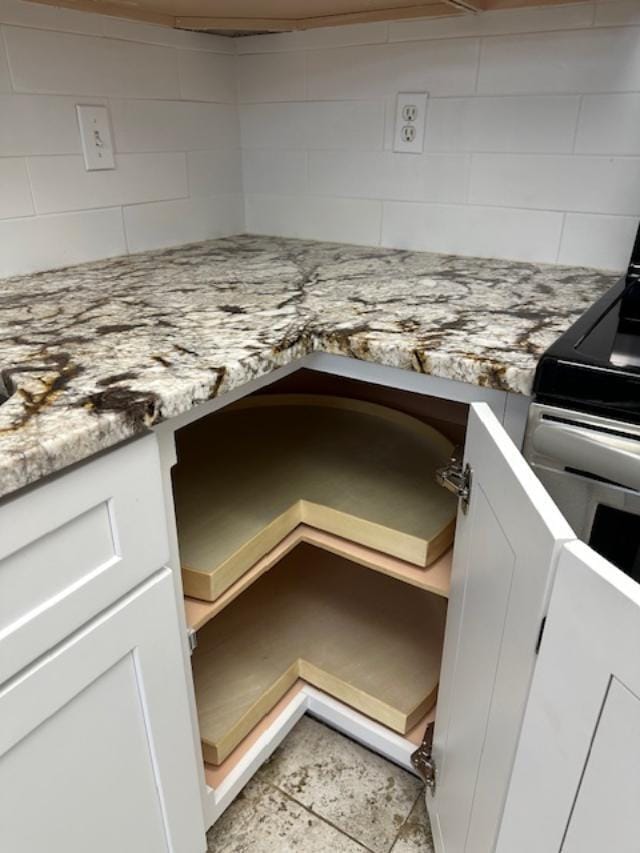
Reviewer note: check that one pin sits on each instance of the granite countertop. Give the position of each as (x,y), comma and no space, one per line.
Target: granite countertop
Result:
(95,354)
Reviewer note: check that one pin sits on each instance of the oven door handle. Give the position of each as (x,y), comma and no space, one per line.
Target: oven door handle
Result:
(601,454)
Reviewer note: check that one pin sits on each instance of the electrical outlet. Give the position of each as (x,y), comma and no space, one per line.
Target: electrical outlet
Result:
(411,109)
(95,135)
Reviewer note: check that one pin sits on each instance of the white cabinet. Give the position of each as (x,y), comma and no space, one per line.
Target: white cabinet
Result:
(74,544)
(95,739)
(503,557)
(534,754)
(576,779)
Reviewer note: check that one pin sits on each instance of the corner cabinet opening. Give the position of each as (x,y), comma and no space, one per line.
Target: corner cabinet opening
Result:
(316,551)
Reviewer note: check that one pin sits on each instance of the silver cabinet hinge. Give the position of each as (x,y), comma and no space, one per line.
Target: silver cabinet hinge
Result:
(422,760)
(192,639)
(456,479)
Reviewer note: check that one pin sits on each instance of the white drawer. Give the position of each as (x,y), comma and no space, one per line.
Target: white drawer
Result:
(74,544)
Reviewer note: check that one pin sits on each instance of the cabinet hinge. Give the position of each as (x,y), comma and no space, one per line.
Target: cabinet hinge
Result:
(540,633)
(456,479)
(422,760)
(192,639)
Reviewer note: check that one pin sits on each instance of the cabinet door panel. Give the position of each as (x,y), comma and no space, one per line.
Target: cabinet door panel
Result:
(576,778)
(504,553)
(76,543)
(96,750)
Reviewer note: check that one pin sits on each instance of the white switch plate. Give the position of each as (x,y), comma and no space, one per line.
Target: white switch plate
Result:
(95,134)
(411,110)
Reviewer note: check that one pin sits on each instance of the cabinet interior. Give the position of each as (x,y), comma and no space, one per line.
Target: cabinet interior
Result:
(339,603)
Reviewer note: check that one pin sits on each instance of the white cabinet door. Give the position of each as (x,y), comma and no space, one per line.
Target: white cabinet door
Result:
(576,779)
(505,549)
(96,752)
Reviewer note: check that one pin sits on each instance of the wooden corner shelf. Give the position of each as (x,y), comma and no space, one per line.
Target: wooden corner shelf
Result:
(360,636)
(249,475)
(435,579)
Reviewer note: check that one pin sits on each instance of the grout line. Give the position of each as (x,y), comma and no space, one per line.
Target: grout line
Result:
(561,237)
(421,793)
(319,817)
(124,231)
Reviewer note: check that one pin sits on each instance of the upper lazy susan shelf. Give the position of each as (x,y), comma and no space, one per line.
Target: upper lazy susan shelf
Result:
(239,17)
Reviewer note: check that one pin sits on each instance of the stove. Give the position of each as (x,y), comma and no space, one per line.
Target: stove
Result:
(595,366)
(583,431)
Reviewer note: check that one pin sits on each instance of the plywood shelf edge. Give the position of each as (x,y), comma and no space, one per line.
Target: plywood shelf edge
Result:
(436,578)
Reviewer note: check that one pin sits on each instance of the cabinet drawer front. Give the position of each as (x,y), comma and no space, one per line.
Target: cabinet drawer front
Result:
(75,544)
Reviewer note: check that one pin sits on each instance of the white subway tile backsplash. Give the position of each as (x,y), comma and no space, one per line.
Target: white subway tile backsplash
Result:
(170,223)
(212,172)
(15,195)
(385,175)
(609,124)
(271,77)
(5,80)
(62,183)
(46,242)
(47,17)
(319,218)
(597,241)
(266,170)
(353,125)
(39,124)
(274,125)
(505,21)
(533,121)
(446,177)
(173,125)
(526,235)
(582,184)
(511,123)
(437,67)
(373,33)
(617,13)
(121,28)
(315,124)
(597,60)
(207,76)
(49,62)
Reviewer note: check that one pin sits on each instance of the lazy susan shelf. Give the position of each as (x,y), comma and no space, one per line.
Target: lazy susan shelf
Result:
(362,637)
(248,475)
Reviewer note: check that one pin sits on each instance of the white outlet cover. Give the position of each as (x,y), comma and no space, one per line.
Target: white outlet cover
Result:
(95,135)
(408,135)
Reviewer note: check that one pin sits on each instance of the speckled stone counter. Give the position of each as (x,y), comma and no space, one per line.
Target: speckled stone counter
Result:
(94,354)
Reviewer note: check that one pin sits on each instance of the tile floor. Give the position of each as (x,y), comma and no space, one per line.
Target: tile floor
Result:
(322,793)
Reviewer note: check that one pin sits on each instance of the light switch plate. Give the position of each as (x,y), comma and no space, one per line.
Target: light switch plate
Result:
(95,134)
(411,110)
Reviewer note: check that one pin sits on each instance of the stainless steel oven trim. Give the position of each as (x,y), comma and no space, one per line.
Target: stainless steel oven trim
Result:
(561,438)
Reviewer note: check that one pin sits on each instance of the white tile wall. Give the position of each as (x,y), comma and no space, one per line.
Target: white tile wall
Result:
(44,242)
(15,193)
(173,110)
(532,145)
(510,123)
(62,183)
(170,223)
(596,60)
(527,235)
(609,124)
(345,220)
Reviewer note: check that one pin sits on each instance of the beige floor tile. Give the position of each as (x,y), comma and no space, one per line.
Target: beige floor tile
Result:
(357,791)
(264,820)
(415,834)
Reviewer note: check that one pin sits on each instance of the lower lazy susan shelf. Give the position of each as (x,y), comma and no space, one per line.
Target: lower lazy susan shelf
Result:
(371,641)
(250,474)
